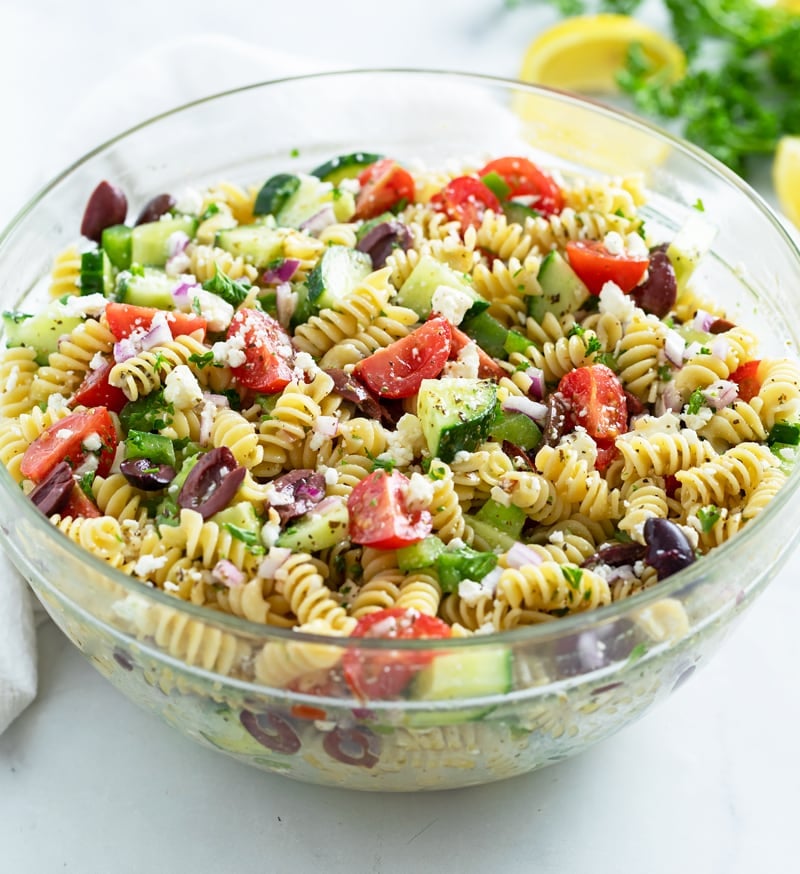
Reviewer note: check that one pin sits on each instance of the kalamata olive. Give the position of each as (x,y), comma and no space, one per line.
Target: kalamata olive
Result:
(353,746)
(520,458)
(615,555)
(155,208)
(296,493)
(668,549)
(271,731)
(53,492)
(147,475)
(555,423)
(106,206)
(211,483)
(348,387)
(591,650)
(720,326)
(658,292)
(379,241)
(122,660)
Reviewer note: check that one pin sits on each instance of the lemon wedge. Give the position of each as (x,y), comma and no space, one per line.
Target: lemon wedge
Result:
(585,53)
(786,177)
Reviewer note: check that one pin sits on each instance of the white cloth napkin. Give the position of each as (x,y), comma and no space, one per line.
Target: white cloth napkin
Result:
(152,83)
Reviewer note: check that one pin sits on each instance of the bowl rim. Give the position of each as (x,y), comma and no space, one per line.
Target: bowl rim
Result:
(548,632)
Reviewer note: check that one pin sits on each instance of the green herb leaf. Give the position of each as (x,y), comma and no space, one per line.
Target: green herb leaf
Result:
(231,291)
(708,516)
(202,360)
(573,575)
(251,539)
(148,413)
(696,401)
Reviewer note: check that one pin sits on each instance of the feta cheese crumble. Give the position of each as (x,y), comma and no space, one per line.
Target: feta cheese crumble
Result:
(182,389)
(452,303)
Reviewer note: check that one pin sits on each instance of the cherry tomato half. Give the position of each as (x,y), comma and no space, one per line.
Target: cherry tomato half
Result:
(595,265)
(379,515)
(384,184)
(397,370)
(525,179)
(488,368)
(596,400)
(746,377)
(97,391)
(125,318)
(268,351)
(386,673)
(64,441)
(80,504)
(465,200)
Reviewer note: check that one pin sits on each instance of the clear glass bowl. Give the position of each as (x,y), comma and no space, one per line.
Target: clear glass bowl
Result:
(575,681)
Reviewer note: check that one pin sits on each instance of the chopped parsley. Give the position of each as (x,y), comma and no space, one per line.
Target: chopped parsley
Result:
(250,539)
(696,401)
(148,413)
(573,575)
(202,360)
(708,516)
(232,291)
(85,483)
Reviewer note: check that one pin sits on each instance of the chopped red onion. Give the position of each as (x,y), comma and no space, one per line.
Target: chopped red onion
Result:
(219,401)
(674,347)
(720,348)
(158,334)
(330,502)
(521,555)
(207,413)
(536,376)
(286,303)
(283,273)
(319,221)
(703,320)
(181,294)
(532,409)
(177,243)
(721,393)
(327,426)
(275,558)
(670,400)
(124,349)
(226,572)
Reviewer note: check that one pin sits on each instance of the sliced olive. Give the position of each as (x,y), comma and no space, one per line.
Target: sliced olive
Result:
(271,731)
(380,241)
(668,549)
(107,206)
(157,206)
(555,423)
(147,475)
(211,483)
(296,493)
(657,294)
(53,492)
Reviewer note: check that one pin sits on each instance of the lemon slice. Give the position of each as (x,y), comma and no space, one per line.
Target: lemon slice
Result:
(585,53)
(786,177)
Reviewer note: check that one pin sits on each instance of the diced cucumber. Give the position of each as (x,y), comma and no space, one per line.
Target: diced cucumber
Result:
(493,537)
(242,516)
(154,447)
(311,196)
(518,212)
(317,529)
(428,275)
(117,244)
(344,166)
(97,274)
(149,288)
(488,333)
(688,246)
(464,563)
(562,291)
(456,414)
(338,272)
(420,555)
(304,309)
(258,244)
(508,520)
(150,241)
(274,193)
(518,429)
(472,673)
(39,332)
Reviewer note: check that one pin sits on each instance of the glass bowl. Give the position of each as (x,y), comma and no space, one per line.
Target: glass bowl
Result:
(574,681)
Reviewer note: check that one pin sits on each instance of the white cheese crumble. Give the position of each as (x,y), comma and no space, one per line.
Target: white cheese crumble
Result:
(636,246)
(405,443)
(146,564)
(697,420)
(85,305)
(616,303)
(467,363)
(331,476)
(229,352)
(217,312)
(189,201)
(182,389)
(56,402)
(305,363)
(580,442)
(502,497)
(63,433)
(419,492)
(461,456)
(614,243)
(452,303)
(98,360)
(649,426)
(92,442)
(270,532)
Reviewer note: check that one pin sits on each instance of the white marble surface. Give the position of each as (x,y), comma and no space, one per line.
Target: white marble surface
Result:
(708,782)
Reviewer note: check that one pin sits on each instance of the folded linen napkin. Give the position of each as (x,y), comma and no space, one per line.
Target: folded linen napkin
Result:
(154,82)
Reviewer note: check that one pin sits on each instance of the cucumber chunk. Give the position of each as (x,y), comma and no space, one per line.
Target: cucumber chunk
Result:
(150,241)
(488,333)
(562,291)
(148,288)
(518,429)
(117,244)
(39,332)
(428,275)
(241,516)
(317,529)
(97,273)
(274,193)
(509,519)
(493,537)
(310,197)
(258,244)
(155,447)
(339,271)
(518,212)
(456,414)
(344,166)
(420,555)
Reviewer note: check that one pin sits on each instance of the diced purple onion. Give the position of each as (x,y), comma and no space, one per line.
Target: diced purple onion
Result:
(671,399)
(537,389)
(158,334)
(124,349)
(177,243)
(674,347)
(721,393)
(181,294)
(319,221)
(327,426)
(532,409)
(720,348)
(283,273)
(703,320)
(520,556)
(226,572)
(380,240)
(219,401)
(275,558)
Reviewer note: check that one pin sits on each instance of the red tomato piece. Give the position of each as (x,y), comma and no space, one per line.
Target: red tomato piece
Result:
(125,318)
(386,673)
(595,265)
(384,184)
(746,377)
(488,368)
(525,179)
(606,453)
(596,400)
(268,352)
(379,515)
(397,370)
(465,200)
(80,504)
(64,441)
(96,391)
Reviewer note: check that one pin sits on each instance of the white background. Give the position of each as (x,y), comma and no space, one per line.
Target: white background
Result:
(708,782)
